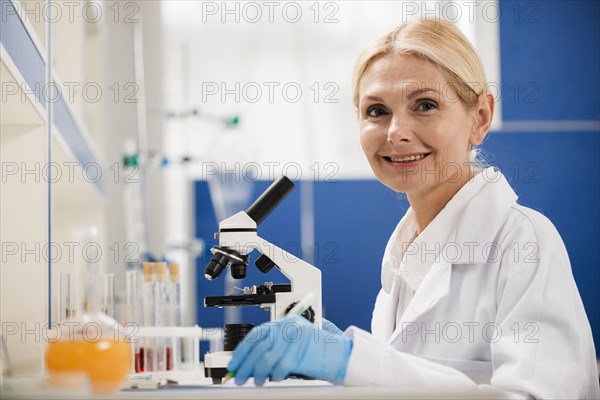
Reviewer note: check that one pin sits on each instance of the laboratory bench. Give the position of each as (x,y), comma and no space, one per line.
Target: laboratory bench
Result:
(202,388)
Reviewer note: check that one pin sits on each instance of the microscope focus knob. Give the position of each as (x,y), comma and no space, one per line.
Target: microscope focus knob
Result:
(309,313)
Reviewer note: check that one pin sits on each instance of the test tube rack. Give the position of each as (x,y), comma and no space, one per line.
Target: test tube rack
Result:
(193,334)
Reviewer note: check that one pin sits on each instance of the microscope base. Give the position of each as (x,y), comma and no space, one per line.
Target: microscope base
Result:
(215,365)
(217,374)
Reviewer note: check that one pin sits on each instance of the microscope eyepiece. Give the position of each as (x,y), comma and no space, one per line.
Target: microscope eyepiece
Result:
(215,266)
(270,199)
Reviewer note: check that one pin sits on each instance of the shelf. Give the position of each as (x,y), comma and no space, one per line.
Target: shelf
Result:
(76,188)
(24,65)
(19,105)
(21,108)
(31,13)
(20,53)
(76,142)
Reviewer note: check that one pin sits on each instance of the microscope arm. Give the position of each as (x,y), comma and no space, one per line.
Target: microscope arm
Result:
(303,277)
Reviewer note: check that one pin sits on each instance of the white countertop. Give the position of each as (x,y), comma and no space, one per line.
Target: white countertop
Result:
(37,388)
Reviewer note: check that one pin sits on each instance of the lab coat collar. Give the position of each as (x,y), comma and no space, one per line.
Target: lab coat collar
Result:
(480,221)
(483,207)
(392,257)
(455,234)
(431,245)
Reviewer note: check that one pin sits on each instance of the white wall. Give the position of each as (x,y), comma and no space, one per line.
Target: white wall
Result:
(302,53)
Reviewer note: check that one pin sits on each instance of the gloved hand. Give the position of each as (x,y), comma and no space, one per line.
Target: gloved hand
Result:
(331,327)
(292,345)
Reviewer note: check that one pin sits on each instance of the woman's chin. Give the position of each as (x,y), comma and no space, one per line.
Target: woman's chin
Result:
(404,184)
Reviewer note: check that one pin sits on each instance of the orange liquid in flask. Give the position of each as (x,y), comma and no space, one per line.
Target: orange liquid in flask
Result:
(106,362)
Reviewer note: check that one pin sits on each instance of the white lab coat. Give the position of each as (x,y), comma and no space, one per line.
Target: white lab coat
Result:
(504,318)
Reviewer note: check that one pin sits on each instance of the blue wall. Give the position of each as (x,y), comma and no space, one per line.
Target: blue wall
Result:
(550,72)
(550,60)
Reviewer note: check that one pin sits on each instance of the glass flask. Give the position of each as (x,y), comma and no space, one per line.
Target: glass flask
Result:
(91,344)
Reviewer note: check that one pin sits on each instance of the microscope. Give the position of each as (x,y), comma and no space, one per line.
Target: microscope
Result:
(237,239)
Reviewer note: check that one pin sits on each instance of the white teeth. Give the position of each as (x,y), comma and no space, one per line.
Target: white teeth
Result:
(407,159)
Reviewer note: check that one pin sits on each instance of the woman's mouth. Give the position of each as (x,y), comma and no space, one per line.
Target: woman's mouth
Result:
(406,161)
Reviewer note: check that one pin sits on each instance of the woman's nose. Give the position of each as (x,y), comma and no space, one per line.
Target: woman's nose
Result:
(398,131)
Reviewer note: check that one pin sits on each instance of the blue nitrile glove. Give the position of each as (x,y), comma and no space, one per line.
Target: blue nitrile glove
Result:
(331,327)
(292,345)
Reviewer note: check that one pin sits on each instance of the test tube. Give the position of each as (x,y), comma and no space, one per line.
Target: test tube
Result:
(174,315)
(108,295)
(149,294)
(61,301)
(133,315)
(66,298)
(160,309)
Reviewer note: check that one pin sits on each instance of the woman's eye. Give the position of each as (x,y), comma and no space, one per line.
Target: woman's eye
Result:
(376,111)
(426,105)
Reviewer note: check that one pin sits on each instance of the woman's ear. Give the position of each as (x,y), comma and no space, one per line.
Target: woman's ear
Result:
(483,118)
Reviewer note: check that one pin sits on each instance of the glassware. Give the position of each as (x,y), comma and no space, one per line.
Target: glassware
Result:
(133,316)
(92,344)
(160,314)
(174,356)
(108,295)
(149,289)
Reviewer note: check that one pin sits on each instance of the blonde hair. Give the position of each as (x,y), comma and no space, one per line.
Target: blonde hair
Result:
(438,42)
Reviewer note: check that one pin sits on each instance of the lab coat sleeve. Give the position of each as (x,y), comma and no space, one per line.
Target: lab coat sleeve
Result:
(546,347)
(374,362)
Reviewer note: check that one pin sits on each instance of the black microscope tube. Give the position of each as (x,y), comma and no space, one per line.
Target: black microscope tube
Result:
(262,207)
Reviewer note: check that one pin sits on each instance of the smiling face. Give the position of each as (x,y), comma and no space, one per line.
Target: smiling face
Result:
(414,130)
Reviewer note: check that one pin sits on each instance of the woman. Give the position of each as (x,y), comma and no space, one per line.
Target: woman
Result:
(477,291)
